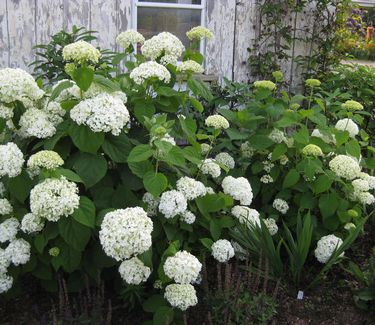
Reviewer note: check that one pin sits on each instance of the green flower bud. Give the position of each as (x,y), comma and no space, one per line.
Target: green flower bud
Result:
(352,105)
(54,251)
(266,84)
(352,213)
(278,75)
(313,83)
(160,131)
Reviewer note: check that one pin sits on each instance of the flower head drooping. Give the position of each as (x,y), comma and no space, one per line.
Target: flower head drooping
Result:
(246,215)
(210,167)
(129,37)
(183,267)
(47,159)
(190,188)
(280,205)
(5,207)
(17,84)
(222,250)
(199,32)
(81,52)
(125,233)
(326,246)
(54,198)
(217,122)
(188,217)
(18,251)
(152,204)
(265,84)
(345,167)
(148,70)
(103,113)
(181,296)
(32,223)
(352,105)
(35,123)
(163,44)
(133,271)
(346,124)
(312,150)
(190,66)
(11,160)
(238,188)
(172,203)
(225,159)
(313,83)
(271,226)
(8,229)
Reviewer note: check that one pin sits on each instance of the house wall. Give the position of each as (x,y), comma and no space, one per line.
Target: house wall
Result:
(24,23)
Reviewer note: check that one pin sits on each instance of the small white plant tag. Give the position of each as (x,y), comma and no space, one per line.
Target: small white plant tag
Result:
(300,295)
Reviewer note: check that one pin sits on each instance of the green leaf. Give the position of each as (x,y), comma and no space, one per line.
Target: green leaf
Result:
(353,148)
(83,77)
(153,303)
(117,147)
(70,258)
(196,104)
(140,153)
(302,136)
(70,175)
(291,178)
(91,168)
(215,229)
(142,109)
(279,150)
(328,204)
(207,242)
(322,184)
(85,214)
(85,139)
(106,84)
(175,156)
(39,243)
(141,168)
(200,89)
(341,137)
(74,233)
(210,203)
(20,186)
(235,134)
(57,91)
(155,183)
(164,315)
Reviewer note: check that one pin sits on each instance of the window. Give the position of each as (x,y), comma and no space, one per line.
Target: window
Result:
(175,16)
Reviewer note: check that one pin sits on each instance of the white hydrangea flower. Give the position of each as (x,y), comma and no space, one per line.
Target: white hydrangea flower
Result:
(267,165)
(168,59)
(129,37)
(172,203)
(18,251)
(210,167)
(17,84)
(349,225)
(217,122)
(162,44)
(72,92)
(81,52)
(238,188)
(103,113)
(265,179)
(2,189)
(190,66)
(369,179)
(360,185)
(326,246)
(347,125)
(198,33)
(222,250)
(183,267)
(247,150)
(6,282)
(125,233)
(280,205)
(283,159)
(8,229)
(225,159)
(6,112)
(54,198)
(277,136)
(188,217)
(4,261)
(5,207)
(152,203)
(35,123)
(190,188)
(246,215)
(133,271)
(44,159)
(239,251)
(181,296)
(168,138)
(317,134)
(365,198)
(11,160)
(55,113)
(32,223)
(210,190)
(149,70)
(345,167)
(271,226)
(205,148)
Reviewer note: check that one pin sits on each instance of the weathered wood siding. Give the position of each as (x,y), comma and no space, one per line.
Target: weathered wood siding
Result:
(24,23)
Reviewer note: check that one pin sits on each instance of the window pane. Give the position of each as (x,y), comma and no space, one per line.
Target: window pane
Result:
(184,2)
(152,21)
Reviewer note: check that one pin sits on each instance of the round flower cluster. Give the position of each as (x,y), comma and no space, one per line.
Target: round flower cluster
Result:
(222,250)
(4,262)
(225,159)
(54,251)
(5,207)
(17,84)
(6,112)
(149,70)
(165,44)
(198,33)
(265,84)
(8,230)
(245,215)
(125,233)
(44,159)
(181,296)
(280,205)
(35,123)
(190,188)
(172,203)
(346,124)
(278,75)
(313,83)
(266,179)
(327,139)
(247,150)
(103,113)
(129,37)
(365,198)
(6,282)
(210,167)
(54,198)
(168,59)
(188,217)
(72,92)
(217,122)
(238,188)
(190,66)
(11,160)
(369,179)
(352,105)
(133,271)
(81,52)
(326,246)
(54,112)
(152,203)
(267,165)
(205,148)
(271,226)
(183,267)
(360,185)
(32,223)
(18,251)
(345,167)
(312,150)
(277,136)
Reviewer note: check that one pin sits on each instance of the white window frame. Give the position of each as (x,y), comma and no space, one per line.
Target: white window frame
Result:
(200,7)
(365,3)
